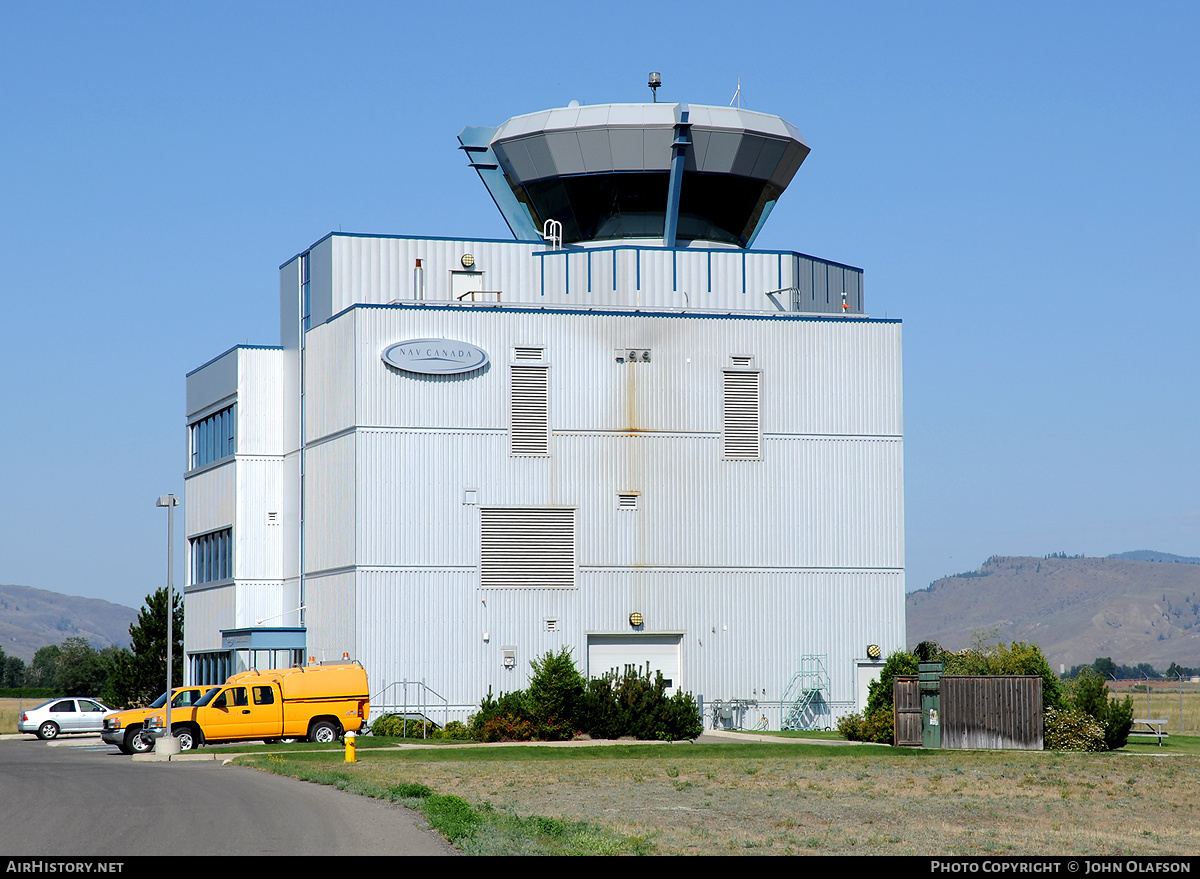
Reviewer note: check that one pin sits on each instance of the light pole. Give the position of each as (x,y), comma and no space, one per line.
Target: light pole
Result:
(170,502)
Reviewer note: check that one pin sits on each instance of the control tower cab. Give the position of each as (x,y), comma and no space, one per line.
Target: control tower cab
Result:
(667,174)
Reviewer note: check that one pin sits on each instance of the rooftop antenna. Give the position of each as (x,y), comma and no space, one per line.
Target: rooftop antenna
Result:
(737,95)
(654,83)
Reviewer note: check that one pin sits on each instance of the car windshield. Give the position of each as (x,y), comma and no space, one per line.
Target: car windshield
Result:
(44,705)
(208,696)
(159,702)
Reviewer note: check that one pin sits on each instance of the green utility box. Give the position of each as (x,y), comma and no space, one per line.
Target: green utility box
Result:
(929,679)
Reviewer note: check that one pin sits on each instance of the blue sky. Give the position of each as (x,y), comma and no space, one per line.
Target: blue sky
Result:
(1019,182)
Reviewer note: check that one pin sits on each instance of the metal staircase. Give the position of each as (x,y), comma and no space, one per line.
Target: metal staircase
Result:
(806,700)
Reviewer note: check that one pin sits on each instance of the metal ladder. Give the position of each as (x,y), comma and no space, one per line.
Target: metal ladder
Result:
(806,702)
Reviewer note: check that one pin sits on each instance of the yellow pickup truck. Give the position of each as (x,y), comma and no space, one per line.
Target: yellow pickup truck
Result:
(124,728)
(317,702)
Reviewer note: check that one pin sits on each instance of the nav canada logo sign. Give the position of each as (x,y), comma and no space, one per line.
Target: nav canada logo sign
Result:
(435,356)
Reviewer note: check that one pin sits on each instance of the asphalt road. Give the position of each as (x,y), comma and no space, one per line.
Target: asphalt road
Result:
(78,796)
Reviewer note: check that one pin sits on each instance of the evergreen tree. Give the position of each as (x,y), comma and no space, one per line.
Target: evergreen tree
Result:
(140,674)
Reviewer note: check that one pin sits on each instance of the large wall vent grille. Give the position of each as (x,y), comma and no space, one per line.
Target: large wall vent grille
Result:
(742,436)
(527,548)
(530,410)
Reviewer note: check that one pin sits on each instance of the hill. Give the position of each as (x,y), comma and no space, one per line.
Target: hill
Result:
(1076,609)
(32,618)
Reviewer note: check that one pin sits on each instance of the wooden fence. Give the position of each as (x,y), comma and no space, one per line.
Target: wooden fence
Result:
(976,711)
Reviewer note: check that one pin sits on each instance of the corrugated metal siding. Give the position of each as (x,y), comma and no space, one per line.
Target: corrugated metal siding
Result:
(330,617)
(209,498)
(260,410)
(259,543)
(823,503)
(818,377)
(329,505)
(273,602)
(743,633)
(329,379)
(380,270)
(206,612)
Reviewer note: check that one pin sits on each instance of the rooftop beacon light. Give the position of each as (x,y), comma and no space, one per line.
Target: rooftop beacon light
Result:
(654,83)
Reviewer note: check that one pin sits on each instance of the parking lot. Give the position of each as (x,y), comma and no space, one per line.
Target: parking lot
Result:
(76,795)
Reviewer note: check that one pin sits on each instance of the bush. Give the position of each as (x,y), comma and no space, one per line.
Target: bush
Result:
(1070,729)
(636,705)
(1118,721)
(514,706)
(506,728)
(879,693)
(880,726)
(851,727)
(1089,694)
(559,704)
(555,694)
(455,729)
(397,726)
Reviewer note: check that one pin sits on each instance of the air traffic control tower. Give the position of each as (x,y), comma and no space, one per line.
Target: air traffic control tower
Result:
(626,432)
(665,172)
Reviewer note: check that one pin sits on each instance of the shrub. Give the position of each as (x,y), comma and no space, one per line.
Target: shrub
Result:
(879,694)
(397,725)
(559,704)
(555,694)
(880,727)
(510,705)
(506,728)
(1070,729)
(1118,721)
(851,727)
(1089,694)
(455,729)
(1018,658)
(635,705)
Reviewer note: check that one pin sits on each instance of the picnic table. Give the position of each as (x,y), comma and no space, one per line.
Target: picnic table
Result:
(1154,728)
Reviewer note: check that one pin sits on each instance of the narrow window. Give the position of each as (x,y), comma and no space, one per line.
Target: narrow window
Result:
(741,416)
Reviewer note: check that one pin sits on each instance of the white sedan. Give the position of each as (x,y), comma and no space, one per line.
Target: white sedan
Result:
(61,716)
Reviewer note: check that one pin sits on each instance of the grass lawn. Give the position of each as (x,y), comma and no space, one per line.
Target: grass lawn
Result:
(789,797)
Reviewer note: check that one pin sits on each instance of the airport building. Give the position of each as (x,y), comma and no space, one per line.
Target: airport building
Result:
(625,431)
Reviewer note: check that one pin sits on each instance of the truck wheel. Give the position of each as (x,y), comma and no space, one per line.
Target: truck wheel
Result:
(48,730)
(324,732)
(136,743)
(189,739)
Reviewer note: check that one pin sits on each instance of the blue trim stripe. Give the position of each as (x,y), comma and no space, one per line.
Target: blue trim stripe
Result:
(733,315)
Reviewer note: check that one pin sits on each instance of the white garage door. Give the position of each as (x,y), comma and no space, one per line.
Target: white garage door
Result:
(609,652)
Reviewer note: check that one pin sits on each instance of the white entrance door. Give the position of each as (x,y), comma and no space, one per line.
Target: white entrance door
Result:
(614,652)
(463,284)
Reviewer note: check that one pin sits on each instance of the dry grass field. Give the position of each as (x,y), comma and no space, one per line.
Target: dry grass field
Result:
(811,799)
(10,710)
(1165,702)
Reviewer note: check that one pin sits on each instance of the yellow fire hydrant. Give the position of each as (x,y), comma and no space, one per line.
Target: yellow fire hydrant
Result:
(350,748)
